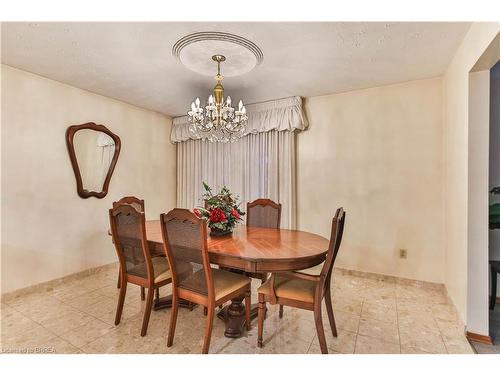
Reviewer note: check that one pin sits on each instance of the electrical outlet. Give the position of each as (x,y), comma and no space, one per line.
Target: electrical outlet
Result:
(403,253)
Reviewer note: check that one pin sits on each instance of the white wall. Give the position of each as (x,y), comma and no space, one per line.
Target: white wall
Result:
(456,95)
(378,153)
(48,231)
(494,175)
(477,204)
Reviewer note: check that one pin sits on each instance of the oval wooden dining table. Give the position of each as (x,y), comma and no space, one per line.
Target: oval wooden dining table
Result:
(253,249)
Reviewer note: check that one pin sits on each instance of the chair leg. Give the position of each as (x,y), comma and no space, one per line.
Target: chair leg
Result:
(143,294)
(248,308)
(262,312)
(319,327)
(281,311)
(121,300)
(329,310)
(147,311)
(173,319)
(208,329)
(493,288)
(118,283)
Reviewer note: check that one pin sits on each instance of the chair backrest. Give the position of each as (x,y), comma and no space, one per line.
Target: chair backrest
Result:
(137,203)
(129,236)
(263,213)
(335,240)
(185,244)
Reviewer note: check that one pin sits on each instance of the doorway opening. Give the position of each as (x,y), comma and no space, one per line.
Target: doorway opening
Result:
(483,239)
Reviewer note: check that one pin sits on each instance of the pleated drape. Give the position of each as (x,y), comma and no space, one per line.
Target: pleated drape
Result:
(260,165)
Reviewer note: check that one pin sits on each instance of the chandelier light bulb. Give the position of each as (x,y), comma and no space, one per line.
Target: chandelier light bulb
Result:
(240,105)
(193,107)
(228,101)
(197,101)
(211,100)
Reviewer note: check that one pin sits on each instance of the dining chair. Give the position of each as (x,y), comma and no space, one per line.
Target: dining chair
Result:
(263,213)
(137,267)
(305,291)
(135,202)
(138,204)
(185,241)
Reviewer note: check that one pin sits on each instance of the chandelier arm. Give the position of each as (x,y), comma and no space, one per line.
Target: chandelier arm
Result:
(218,121)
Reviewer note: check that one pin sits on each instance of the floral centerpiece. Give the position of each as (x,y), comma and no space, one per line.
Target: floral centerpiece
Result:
(221,210)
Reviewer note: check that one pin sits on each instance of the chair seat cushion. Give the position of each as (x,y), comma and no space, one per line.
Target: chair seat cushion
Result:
(160,266)
(225,282)
(287,286)
(183,268)
(162,269)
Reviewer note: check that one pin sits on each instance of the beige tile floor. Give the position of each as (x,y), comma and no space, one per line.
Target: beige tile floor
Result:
(372,317)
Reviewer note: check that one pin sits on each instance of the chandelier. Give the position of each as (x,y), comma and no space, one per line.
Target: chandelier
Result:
(218,121)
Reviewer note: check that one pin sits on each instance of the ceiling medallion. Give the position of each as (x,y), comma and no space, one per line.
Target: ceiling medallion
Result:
(242,55)
(218,121)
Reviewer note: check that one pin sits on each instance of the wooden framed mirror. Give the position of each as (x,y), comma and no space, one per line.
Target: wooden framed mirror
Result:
(93,150)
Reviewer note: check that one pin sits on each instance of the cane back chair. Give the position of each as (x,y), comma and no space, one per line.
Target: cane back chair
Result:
(138,204)
(263,213)
(136,264)
(305,291)
(185,241)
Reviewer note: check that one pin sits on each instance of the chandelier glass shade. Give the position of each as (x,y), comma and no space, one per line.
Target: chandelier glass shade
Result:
(218,121)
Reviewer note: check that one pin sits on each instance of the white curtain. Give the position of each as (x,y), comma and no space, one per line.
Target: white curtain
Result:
(259,165)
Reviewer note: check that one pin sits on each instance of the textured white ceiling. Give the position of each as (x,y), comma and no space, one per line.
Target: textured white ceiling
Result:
(133,61)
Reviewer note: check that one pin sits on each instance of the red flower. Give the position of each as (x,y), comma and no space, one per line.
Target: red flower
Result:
(217,215)
(235,213)
(197,213)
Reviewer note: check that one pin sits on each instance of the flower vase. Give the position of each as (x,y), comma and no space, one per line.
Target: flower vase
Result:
(216,232)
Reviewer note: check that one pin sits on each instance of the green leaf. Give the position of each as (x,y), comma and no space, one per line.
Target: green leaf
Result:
(206,187)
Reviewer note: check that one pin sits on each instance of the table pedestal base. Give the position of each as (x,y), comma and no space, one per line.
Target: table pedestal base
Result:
(166,302)
(234,317)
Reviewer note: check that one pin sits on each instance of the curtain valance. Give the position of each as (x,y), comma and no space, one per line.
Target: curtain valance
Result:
(281,114)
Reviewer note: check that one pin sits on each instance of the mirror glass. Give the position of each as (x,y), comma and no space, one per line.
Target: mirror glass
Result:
(94,152)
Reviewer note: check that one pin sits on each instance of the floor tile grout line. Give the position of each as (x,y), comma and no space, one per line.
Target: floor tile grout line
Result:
(310,345)
(362,303)
(39,324)
(397,320)
(59,335)
(357,331)
(76,346)
(66,304)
